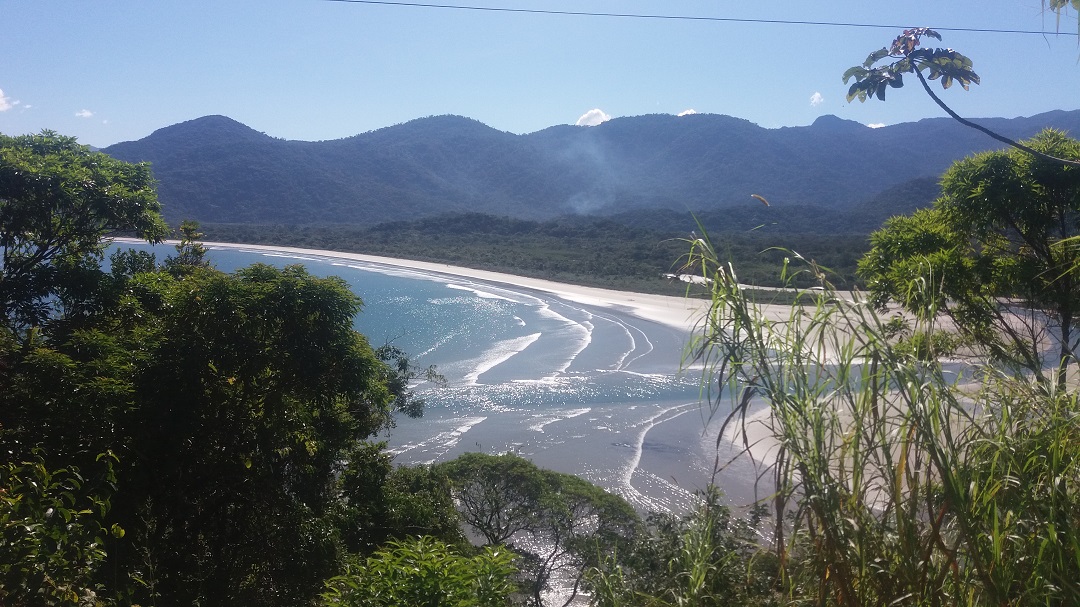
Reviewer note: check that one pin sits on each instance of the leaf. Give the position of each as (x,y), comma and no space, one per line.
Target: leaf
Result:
(856,90)
(875,56)
(853,92)
(857,72)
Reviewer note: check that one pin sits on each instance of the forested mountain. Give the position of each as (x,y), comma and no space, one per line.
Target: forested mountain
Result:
(214,169)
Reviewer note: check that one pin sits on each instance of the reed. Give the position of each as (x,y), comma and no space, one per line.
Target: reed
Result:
(896,479)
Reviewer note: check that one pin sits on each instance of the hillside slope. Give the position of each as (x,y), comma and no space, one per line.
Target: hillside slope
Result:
(214,169)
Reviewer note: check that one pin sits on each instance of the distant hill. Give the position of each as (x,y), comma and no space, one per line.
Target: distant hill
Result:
(214,169)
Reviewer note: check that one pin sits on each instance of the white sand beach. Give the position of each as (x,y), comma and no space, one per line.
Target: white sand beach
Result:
(672,311)
(679,313)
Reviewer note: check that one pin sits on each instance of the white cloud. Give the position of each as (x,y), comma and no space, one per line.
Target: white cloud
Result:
(592,118)
(687,112)
(816,99)
(876,125)
(84,113)
(104,122)
(6,103)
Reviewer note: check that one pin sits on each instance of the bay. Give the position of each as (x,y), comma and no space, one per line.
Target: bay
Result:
(590,390)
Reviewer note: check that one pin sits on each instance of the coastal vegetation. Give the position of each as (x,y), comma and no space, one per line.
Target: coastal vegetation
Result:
(172,434)
(897,480)
(631,254)
(900,477)
(1001,230)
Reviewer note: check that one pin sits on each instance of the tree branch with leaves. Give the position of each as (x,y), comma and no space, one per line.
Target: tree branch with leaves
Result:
(885,68)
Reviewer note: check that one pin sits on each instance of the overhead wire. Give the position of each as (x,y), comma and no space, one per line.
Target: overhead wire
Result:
(540,11)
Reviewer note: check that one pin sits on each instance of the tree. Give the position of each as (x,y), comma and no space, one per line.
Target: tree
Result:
(57,200)
(52,533)
(383,503)
(498,496)
(579,524)
(255,389)
(424,572)
(557,523)
(704,557)
(190,253)
(904,56)
(992,253)
(231,402)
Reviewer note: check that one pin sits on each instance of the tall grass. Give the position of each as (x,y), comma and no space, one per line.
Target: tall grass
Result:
(895,481)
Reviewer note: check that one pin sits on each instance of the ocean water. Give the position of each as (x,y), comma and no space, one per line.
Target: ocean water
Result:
(587,390)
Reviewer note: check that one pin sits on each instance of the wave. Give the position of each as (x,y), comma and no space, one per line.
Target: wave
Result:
(442,442)
(547,420)
(626,482)
(578,334)
(499,353)
(477,292)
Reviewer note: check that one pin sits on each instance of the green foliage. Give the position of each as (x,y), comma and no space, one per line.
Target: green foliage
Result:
(424,572)
(945,64)
(385,503)
(126,264)
(910,253)
(190,253)
(928,346)
(996,232)
(499,496)
(400,377)
(1059,7)
(52,533)
(906,57)
(57,200)
(896,481)
(705,557)
(559,524)
(255,388)
(628,252)
(232,401)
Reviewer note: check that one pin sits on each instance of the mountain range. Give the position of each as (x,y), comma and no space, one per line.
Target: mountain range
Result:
(217,170)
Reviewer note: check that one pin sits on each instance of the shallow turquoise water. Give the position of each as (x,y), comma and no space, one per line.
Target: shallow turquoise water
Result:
(587,390)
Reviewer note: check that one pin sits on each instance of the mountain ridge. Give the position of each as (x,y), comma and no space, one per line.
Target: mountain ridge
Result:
(215,169)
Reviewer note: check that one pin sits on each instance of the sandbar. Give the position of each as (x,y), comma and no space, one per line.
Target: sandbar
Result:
(678,312)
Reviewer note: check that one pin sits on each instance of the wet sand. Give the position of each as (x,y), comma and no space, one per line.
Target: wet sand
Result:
(672,447)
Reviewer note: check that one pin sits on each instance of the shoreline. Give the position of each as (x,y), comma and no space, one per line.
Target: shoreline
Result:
(680,313)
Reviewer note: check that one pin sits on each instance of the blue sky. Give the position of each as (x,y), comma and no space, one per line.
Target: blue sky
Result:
(116,70)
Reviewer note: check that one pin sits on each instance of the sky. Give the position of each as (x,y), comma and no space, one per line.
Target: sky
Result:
(116,70)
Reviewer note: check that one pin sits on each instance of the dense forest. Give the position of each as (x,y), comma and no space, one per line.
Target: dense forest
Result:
(627,251)
(632,253)
(216,170)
